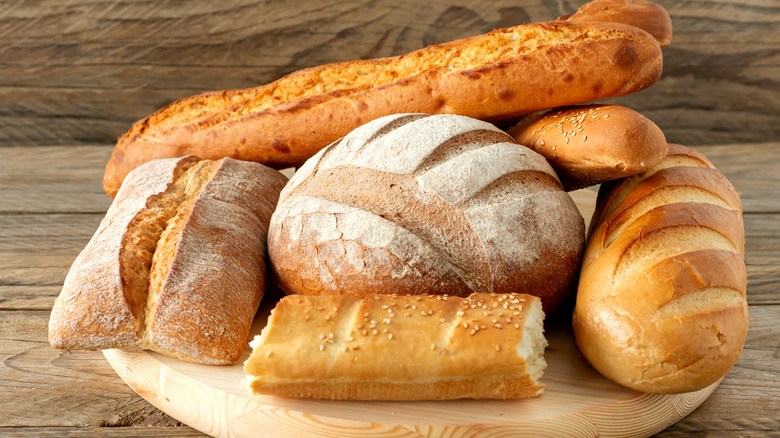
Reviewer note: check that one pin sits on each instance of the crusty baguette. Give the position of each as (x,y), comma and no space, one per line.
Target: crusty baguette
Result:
(591,144)
(661,304)
(650,17)
(388,347)
(421,204)
(494,76)
(177,265)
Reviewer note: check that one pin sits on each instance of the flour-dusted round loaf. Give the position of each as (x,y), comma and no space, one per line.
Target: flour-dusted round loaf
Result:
(420,204)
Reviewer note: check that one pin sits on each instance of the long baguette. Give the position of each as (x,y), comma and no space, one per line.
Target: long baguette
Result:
(177,265)
(645,15)
(661,303)
(396,347)
(502,74)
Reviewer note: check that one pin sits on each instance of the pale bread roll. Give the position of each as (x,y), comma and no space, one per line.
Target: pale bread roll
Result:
(389,347)
(177,265)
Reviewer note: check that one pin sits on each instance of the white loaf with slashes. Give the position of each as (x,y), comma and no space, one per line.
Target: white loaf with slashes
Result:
(420,204)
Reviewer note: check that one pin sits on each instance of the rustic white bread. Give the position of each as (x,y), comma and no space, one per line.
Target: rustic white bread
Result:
(177,265)
(661,303)
(495,76)
(390,347)
(591,144)
(650,17)
(419,204)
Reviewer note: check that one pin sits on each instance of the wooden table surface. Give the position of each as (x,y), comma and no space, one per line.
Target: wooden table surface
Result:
(74,76)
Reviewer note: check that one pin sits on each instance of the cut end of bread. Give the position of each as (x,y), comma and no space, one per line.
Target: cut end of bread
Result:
(533,344)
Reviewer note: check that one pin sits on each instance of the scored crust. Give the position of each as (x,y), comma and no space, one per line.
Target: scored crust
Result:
(502,74)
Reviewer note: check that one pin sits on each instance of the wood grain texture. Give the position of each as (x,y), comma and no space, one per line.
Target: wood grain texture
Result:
(81,72)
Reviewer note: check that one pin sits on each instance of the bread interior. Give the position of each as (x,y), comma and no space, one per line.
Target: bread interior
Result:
(532,346)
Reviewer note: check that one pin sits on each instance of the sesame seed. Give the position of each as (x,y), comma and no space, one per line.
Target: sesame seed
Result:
(350,339)
(442,319)
(498,348)
(322,336)
(322,347)
(465,325)
(407,314)
(327,317)
(269,354)
(375,332)
(517,326)
(473,332)
(360,326)
(433,346)
(365,332)
(390,336)
(384,330)
(307,317)
(320,308)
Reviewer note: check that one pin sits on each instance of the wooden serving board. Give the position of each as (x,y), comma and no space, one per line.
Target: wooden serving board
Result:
(577,402)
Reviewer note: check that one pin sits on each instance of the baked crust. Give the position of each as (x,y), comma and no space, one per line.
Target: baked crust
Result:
(645,15)
(390,347)
(499,75)
(177,265)
(661,304)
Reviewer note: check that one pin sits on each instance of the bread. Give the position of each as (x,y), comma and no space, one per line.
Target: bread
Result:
(591,144)
(389,347)
(419,204)
(661,303)
(647,16)
(499,75)
(177,265)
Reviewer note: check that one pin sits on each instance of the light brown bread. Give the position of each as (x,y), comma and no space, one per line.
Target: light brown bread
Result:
(661,303)
(591,144)
(650,17)
(502,74)
(177,265)
(419,204)
(389,347)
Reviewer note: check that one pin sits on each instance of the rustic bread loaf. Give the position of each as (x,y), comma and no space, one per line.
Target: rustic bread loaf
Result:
(661,303)
(389,347)
(498,75)
(418,204)
(650,17)
(177,265)
(591,144)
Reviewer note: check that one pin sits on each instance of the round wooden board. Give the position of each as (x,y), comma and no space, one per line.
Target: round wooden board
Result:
(577,402)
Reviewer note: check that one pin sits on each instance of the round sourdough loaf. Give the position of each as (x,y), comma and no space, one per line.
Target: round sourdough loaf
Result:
(420,204)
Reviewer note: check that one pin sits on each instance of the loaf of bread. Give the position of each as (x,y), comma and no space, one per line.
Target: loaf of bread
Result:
(661,303)
(419,204)
(591,144)
(650,17)
(177,265)
(498,75)
(390,347)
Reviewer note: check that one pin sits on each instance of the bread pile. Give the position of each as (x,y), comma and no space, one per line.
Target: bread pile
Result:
(420,245)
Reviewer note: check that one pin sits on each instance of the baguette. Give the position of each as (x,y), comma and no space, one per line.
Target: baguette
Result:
(440,204)
(650,17)
(661,303)
(496,76)
(591,144)
(178,264)
(388,347)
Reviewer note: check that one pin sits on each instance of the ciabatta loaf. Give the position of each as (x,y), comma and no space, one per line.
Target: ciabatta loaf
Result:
(498,75)
(388,347)
(419,204)
(591,144)
(645,15)
(661,302)
(177,265)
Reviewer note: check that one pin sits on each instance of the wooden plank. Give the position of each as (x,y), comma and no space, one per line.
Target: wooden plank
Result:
(81,72)
(59,179)
(110,431)
(30,366)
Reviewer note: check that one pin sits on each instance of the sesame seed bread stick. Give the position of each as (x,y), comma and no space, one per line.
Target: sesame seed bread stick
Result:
(496,76)
(400,347)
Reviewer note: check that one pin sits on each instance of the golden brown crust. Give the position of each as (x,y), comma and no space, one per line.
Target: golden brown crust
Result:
(388,347)
(178,264)
(650,17)
(505,73)
(591,144)
(661,304)
(438,204)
